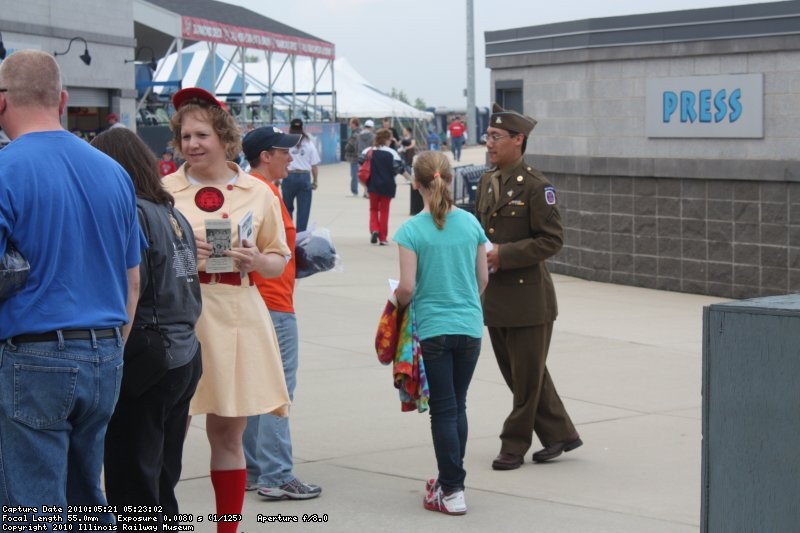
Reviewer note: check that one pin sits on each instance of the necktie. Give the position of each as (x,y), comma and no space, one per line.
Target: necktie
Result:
(496,186)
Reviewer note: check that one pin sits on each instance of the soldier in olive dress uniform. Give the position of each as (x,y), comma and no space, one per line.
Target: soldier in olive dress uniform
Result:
(517,207)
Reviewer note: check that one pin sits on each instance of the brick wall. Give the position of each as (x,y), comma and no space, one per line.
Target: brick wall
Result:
(736,239)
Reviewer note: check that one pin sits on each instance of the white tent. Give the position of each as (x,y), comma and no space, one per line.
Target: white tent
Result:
(355,96)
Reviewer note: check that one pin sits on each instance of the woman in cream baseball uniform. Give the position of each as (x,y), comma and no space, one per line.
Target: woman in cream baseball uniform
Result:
(242,369)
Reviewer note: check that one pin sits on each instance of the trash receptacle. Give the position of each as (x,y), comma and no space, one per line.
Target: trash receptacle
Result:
(467,180)
(750,427)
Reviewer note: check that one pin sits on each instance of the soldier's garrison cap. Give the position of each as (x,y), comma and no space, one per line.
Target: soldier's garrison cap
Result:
(511,121)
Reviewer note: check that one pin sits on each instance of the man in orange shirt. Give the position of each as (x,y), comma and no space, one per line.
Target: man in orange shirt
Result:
(267,440)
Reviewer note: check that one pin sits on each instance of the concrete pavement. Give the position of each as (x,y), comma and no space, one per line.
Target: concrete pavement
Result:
(626,361)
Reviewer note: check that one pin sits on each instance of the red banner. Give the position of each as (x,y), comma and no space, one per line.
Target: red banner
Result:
(196,29)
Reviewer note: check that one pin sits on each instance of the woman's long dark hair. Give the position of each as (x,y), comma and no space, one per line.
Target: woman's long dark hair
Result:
(130,151)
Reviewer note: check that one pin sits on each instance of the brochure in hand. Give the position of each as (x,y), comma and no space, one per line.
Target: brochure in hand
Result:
(219,236)
(246,233)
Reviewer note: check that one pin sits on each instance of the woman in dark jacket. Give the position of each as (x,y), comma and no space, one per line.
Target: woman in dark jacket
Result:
(408,147)
(386,164)
(144,441)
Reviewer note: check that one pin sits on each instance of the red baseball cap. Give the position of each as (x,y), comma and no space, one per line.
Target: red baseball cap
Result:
(195,93)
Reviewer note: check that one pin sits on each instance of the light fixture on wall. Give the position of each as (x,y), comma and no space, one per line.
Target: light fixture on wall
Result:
(85,57)
(152,63)
(2,48)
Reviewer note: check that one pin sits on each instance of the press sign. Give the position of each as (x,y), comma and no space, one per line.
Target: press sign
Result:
(706,106)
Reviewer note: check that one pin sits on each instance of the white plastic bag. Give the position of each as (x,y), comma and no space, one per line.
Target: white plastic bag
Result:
(314,252)
(14,270)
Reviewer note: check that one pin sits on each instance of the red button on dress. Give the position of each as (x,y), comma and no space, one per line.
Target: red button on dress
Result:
(209,199)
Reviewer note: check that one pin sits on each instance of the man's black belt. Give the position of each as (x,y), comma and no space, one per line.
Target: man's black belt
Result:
(67,335)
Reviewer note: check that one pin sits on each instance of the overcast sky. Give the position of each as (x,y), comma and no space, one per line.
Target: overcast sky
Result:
(419,46)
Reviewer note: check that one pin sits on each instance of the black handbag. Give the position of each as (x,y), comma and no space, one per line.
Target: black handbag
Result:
(146,350)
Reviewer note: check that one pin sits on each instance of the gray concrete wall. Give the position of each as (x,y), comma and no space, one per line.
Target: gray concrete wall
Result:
(106,26)
(597,109)
(707,215)
(735,239)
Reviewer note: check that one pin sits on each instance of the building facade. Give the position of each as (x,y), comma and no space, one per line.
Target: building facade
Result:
(672,139)
(104,30)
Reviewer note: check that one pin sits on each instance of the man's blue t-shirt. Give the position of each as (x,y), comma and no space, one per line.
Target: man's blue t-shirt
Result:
(71,211)
(446,299)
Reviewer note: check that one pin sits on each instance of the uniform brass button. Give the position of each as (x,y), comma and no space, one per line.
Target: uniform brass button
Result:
(491,230)
(520,179)
(513,213)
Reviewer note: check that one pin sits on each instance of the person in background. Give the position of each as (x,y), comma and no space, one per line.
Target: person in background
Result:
(71,211)
(457,134)
(242,370)
(302,178)
(443,271)
(386,164)
(267,439)
(434,141)
(395,144)
(144,441)
(351,154)
(366,139)
(519,306)
(166,165)
(113,121)
(408,147)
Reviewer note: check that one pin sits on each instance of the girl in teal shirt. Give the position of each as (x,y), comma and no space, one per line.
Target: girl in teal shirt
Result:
(443,268)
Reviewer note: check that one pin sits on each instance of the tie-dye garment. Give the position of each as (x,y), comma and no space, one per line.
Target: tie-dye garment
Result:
(409,368)
(387,335)
(396,342)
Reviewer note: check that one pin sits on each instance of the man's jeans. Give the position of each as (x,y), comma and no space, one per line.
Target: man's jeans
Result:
(354,177)
(298,185)
(56,399)
(457,142)
(449,364)
(267,440)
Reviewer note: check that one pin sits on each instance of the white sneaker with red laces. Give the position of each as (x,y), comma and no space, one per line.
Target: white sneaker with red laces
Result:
(437,500)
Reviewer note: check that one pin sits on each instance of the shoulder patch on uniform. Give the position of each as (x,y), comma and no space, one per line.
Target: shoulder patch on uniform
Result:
(550,195)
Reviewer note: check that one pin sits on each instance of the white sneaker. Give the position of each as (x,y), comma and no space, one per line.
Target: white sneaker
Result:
(453,503)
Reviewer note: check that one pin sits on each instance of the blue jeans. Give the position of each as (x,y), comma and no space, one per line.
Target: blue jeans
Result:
(354,177)
(456,143)
(298,185)
(449,363)
(267,440)
(56,399)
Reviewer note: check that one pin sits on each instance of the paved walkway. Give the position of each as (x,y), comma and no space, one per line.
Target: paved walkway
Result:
(626,361)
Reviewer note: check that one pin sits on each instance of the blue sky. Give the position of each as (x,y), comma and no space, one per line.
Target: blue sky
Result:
(419,46)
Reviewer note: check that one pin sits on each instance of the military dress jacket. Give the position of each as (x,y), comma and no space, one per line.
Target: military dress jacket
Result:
(525,222)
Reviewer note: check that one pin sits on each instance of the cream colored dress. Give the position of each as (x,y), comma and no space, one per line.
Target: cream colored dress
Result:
(242,369)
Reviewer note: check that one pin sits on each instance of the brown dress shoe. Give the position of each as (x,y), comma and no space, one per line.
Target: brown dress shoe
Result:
(507,461)
(556,449)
